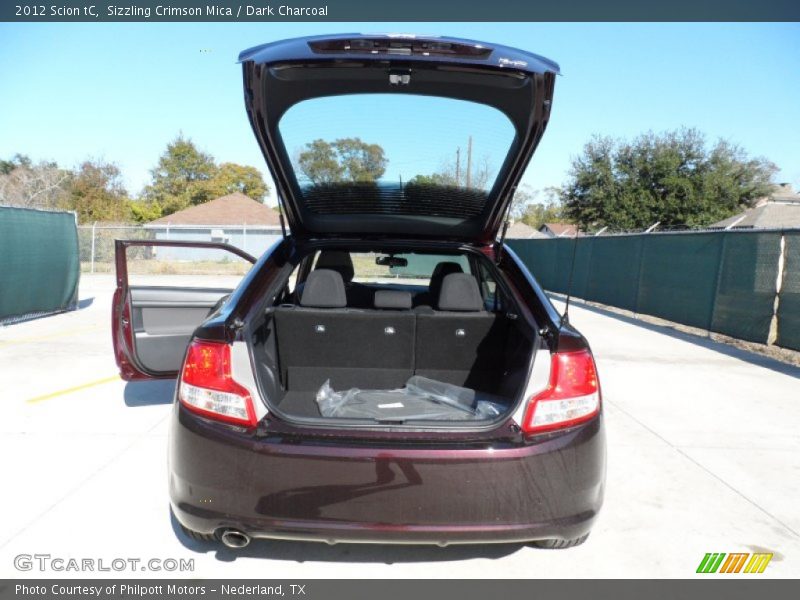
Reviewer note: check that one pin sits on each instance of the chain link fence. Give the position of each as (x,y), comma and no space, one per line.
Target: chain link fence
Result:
(96,242)
(740,283)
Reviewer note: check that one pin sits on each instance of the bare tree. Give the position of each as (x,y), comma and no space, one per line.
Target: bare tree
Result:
(523,196)
(41,185)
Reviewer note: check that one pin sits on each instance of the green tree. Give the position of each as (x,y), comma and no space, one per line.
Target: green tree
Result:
(537,214)
(143,211)
(453,173)
(96,193)
(361,162)
(673,178)
(179,179)
(343,160)
(231,177)
(445,179)
(186,176)
(523,196)
(536,207)
(15,162)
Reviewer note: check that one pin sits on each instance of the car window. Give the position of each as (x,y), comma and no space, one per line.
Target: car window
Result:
(492,296)
(417,271)
(395,154)
(184,266)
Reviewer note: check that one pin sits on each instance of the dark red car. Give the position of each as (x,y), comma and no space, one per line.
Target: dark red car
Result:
(388,371)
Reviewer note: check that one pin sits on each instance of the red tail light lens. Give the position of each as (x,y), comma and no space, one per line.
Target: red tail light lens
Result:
(572,395)
(208,388)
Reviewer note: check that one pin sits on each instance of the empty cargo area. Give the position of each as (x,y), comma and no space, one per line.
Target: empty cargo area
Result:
(449,328)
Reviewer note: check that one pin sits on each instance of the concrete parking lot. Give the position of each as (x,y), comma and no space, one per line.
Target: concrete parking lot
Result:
(703,456)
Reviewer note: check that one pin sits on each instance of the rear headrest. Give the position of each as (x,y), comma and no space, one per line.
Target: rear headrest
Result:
(441,270)
(392,299)
(336,260)
(324,289)
(460,292)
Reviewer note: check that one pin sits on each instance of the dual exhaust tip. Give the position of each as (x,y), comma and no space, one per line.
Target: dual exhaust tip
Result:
(234,539)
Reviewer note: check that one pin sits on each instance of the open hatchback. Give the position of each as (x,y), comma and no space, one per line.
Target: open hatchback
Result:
(448,125)
(388,334)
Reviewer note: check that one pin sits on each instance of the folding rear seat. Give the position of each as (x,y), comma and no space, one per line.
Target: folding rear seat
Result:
(323,340)
(461,343)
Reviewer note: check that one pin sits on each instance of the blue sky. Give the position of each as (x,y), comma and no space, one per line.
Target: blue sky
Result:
(121,91)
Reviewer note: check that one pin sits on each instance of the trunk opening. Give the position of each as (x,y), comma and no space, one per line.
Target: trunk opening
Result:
(445,348)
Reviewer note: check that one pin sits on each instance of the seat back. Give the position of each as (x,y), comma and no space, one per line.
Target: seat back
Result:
(461,343)
(321,340)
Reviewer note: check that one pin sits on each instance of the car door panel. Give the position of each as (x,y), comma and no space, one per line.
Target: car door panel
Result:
(164,319)
(152,325)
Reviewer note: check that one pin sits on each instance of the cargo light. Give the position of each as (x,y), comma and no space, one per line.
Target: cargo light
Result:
(208,388)
(572,395)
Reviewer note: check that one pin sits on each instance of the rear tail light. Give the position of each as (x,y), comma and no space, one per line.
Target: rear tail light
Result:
(208,388)
(572,395)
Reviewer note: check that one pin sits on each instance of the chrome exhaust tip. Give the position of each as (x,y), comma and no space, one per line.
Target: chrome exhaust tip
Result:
(235,539)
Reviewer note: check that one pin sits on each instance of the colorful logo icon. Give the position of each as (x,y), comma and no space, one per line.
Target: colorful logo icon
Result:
(736,562)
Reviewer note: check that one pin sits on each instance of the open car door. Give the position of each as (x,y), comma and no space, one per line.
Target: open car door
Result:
(153,319)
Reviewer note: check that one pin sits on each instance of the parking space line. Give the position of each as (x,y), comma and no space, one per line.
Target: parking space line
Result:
(47,336)
(66,391)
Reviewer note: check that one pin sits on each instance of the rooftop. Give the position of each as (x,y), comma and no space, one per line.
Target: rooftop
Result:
(523,231)
(780,210)
(559,229)
(233,209)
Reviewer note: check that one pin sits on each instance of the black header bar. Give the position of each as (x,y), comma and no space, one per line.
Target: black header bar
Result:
(398,10)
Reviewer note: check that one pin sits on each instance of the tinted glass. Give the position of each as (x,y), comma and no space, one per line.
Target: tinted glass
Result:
(395,154)
(417,271)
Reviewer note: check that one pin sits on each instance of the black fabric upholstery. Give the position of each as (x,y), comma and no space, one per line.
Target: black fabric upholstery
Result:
(324,289)
(337,260)
(441,270)
(358,295)
(460,292)
(464,348)
(393,299)
(381,348)
(352,348)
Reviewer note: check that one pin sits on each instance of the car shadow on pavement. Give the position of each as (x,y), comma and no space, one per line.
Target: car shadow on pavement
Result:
(751,357)
(149,393)
(301,552)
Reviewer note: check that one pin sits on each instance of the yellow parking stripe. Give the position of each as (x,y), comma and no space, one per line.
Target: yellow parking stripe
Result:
(77,388)
(47,336)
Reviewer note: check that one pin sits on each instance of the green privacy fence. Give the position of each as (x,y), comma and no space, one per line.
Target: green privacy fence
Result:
(722,281)
(39,268)
(789,305)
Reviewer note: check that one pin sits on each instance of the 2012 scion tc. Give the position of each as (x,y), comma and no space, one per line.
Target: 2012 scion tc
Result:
(389,371)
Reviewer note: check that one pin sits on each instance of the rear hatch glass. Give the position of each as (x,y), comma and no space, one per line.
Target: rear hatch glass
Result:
(396,154)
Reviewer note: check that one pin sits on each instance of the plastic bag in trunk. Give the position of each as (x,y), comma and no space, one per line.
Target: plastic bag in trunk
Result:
(420,399)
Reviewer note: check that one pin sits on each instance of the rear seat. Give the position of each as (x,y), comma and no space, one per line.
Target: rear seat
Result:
(322,339)
(461,343)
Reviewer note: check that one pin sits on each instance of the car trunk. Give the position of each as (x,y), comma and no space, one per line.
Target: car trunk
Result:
(415,366)
(353,128)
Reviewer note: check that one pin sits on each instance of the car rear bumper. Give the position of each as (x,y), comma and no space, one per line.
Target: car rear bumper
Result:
(304,489)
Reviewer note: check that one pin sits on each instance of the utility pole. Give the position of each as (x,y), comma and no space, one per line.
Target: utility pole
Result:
(469,162)
(458,165)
